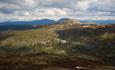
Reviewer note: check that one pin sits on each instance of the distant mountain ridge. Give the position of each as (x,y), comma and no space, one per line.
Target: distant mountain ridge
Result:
(22,25)
(35,22)
(50,21)
(40,22)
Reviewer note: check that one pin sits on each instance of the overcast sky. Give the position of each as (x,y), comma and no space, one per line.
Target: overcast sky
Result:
(13,10)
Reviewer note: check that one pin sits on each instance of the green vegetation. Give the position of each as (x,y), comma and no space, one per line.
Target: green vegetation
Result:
(28,40)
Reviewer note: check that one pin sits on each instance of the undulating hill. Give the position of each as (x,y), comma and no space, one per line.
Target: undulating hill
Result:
(67,45)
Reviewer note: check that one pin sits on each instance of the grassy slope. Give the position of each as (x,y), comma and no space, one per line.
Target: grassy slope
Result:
(27,40)
(77,41)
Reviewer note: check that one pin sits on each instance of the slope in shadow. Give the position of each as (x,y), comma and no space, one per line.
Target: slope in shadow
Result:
(98,42)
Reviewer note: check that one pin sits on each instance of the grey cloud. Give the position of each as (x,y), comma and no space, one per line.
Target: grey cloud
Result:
(48,8)
(103,5)
(35,4)
(7,11)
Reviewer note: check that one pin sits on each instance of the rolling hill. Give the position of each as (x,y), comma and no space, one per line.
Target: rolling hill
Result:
(64,42)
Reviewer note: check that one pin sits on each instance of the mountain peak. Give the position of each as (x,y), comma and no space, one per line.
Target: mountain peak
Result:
(68,21)
(63,19)
(65,23)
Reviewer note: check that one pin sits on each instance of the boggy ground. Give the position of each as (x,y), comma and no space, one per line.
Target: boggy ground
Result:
(50,62)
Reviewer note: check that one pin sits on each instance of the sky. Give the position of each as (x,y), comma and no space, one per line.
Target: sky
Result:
(20,10)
